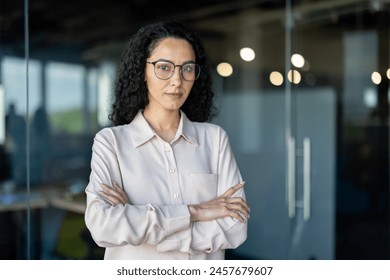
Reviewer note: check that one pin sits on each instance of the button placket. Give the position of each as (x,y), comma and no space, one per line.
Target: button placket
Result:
(173,174)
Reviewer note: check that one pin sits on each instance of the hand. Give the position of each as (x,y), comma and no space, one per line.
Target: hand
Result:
(222,206)
(114,195)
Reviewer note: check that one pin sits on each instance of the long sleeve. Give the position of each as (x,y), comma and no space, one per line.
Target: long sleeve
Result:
(226,233)
(125,224)
(160,180)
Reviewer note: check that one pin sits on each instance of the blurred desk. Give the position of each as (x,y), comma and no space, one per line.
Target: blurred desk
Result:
(19,203)
(22,201)
(55,197)
(60,197)
(46,204)
(73,205)
(36,200)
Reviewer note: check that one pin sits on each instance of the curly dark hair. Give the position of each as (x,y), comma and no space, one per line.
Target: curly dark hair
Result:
(131,93)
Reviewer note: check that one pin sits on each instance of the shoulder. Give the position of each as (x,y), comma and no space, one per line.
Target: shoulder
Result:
(210,133)
(110,134)
(209,128)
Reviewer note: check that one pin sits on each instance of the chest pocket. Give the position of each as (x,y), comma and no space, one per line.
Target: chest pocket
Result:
(200,187)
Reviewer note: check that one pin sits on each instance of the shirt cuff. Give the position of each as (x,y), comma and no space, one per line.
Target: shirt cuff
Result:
(178,218)
(169,245)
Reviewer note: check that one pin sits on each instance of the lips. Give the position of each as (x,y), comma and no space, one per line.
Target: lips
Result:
(174,94)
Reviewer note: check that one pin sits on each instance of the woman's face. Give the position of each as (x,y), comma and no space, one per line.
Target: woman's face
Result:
(169,94)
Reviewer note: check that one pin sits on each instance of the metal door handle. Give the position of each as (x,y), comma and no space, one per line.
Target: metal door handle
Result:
(291,177)
(306,178)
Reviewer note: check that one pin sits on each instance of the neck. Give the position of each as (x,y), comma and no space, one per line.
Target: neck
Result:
(164,123)
(162,119)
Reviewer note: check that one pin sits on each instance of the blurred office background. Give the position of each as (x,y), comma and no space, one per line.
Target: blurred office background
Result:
(302,88)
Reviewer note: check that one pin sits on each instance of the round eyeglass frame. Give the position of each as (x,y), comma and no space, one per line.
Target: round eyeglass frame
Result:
(197,73)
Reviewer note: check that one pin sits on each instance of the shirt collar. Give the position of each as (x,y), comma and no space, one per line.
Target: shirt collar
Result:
(187,129)
(142,132)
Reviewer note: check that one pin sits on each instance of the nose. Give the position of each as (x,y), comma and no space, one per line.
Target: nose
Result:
(176,78)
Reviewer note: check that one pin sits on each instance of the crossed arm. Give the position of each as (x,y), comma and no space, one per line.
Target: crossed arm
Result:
(220,207)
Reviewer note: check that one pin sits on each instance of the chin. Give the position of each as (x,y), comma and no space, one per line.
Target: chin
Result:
(175,106)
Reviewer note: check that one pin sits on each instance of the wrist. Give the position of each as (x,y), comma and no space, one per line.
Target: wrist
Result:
(193,213)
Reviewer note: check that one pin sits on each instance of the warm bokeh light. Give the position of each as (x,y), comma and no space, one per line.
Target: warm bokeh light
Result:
(276,78)
(294,76)
(388,73)
(247,54)
(376,78)
(224,69)
(297,60)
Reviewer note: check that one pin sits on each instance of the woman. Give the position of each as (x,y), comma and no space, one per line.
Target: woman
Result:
(164,184)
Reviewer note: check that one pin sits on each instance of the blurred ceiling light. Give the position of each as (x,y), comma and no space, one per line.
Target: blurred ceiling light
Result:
(247,54)
(388,73)
(297,60)
(376,78)
(224,69)
(294,76)
(276,78)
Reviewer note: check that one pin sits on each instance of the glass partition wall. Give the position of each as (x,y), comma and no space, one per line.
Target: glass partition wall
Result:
(48,119)
(301,87)
(345,46)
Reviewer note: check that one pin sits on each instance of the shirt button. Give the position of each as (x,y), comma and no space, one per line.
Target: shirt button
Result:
(176,195)
(167,149)
(172,170)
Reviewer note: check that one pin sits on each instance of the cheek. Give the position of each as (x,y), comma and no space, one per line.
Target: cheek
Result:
(148,77)
(155,87)
(189,88)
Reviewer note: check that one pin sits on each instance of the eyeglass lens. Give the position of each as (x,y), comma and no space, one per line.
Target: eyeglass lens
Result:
(164,70)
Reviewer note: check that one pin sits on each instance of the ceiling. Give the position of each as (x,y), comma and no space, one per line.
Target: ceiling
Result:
(91,24)
(96,28)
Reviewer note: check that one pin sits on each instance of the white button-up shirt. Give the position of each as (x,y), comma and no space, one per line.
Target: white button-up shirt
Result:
(161,179)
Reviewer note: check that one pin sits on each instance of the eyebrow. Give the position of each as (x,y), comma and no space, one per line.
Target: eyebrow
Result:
(167,60)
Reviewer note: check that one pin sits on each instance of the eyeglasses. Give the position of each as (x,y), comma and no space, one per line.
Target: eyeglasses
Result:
(165,69)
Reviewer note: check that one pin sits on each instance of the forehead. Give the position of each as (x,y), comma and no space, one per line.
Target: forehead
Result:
(173,49)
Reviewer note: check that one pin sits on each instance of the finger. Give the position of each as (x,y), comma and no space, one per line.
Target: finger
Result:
(240,209)
(112,199)
(120,190)
(233,189)
(107,197)
(237,216)
(114,193)
(240,201)
(116,186)
(108,190)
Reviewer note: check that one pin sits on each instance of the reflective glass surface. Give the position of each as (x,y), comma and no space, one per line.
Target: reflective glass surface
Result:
(302,89)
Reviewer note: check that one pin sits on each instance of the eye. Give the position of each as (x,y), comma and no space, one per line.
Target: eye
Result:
(188,68)
(164,66)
